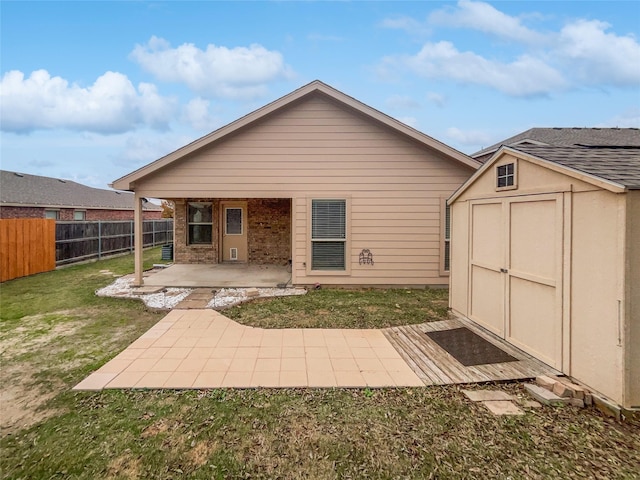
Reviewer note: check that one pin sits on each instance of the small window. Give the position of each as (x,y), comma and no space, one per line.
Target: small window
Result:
(506,175)
(233,223)
(79,215)
(328,234)
(52,214)
(200,221)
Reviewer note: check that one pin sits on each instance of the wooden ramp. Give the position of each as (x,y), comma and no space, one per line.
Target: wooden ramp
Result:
(435,366)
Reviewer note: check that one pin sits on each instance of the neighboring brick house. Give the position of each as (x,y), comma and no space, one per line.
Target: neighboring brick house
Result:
(33,196)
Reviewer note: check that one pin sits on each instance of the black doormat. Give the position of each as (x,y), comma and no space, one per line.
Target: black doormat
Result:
(468,348)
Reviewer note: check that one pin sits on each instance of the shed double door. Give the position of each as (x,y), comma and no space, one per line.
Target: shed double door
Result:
(516,271)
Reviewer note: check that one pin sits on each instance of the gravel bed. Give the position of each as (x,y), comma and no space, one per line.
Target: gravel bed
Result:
(168,298)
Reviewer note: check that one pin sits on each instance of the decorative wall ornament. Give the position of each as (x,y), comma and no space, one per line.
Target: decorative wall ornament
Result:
(366,257)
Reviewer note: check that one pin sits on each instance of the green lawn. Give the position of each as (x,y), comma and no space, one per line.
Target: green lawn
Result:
(54,331)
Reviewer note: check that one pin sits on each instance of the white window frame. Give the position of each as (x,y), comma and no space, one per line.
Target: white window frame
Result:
(513,176)
(347,220)
(84,215)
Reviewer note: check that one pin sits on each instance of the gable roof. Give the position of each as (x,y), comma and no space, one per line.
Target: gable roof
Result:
(567,137)
(21,189)
(616,169)
(620,165)
(316,87)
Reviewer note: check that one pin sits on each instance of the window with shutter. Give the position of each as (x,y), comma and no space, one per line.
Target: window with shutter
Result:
(447,238)
(328,234)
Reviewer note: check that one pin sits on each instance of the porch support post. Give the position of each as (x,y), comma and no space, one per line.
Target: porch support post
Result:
(137,239)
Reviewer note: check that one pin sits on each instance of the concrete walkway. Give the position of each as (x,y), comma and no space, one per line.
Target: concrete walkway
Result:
(205,349)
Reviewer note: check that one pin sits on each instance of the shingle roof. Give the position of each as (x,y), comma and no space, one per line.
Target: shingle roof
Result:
(566,137)
(620,165)
(33,190)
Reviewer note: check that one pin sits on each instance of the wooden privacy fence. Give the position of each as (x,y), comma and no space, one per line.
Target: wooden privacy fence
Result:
(77,241)
(27,246)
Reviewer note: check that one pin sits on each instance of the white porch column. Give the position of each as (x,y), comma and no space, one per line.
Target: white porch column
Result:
(137,239)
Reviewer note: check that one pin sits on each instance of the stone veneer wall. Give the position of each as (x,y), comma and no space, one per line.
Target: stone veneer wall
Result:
(269,230)
(268,235)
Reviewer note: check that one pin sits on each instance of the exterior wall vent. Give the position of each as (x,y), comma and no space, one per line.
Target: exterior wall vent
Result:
(233,254)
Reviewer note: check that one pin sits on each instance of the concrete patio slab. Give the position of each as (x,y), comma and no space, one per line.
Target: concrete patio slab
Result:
(204,349)
(219,276)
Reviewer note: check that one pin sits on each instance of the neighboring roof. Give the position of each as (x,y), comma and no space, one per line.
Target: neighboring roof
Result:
(619,165)
(21,189)
(313,88)
(567,137)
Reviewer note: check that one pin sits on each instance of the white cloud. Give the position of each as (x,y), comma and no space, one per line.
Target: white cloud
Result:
(405,23)
(401,102)
(594,56)
(468,137)
(437,99)
(146,147)
(111,105)
(485,18)
(217,71)
(581,53)
(526,76)
(630,118)
(197,114)
(411,121)
(317,37)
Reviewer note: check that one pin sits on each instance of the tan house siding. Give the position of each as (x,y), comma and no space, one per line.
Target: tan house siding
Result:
(318,149)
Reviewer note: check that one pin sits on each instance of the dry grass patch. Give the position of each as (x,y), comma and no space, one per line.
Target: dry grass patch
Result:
(342,308)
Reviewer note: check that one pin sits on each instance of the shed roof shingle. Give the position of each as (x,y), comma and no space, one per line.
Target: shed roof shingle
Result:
(34,190)
(620,165)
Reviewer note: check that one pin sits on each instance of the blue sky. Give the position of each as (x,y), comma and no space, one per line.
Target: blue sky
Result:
(93,90)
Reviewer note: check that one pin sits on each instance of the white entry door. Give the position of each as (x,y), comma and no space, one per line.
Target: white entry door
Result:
(516,272)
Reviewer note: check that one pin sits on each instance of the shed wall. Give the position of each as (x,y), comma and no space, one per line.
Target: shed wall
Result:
(597,273)
(632,293)
(601,230)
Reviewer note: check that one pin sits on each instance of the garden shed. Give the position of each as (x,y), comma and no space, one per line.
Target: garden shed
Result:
(545,253)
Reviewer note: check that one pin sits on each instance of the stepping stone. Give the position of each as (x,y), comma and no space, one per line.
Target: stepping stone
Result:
(147,290)
(543,395)
(501,407)
(188,303)
(530,404)
(487,395)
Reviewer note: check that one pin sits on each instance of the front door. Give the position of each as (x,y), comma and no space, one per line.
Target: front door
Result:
(234,231)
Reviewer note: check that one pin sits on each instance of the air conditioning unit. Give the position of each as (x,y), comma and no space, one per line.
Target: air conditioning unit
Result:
(233,254)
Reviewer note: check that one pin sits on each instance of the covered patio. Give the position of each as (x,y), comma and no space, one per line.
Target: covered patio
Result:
(220,275)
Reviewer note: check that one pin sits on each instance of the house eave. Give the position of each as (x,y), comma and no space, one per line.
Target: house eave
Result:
(128,181)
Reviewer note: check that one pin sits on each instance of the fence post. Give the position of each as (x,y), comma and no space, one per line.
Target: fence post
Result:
(153,223)
(99,239)
(131,238)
